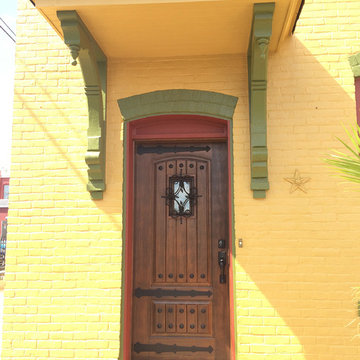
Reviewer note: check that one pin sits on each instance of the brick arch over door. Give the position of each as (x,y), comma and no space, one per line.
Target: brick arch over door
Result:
(178,101)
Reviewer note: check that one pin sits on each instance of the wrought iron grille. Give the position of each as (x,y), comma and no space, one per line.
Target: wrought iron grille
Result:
(181,196)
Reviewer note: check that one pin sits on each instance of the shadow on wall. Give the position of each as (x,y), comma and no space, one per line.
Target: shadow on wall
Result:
(63,129)
(300,260)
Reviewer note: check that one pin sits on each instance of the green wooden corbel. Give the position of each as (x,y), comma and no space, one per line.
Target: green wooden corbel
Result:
(92,60)
(257,71)
(355,64)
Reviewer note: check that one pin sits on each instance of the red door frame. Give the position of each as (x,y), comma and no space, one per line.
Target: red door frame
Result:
(357,99)
(169,127)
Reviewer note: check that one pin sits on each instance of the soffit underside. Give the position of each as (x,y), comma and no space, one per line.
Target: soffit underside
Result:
(145,28)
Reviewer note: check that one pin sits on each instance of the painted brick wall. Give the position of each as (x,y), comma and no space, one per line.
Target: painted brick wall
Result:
(295,274)
(63,269)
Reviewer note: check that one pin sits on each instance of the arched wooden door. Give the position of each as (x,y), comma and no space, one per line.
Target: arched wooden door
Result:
(180,297)
(175,305)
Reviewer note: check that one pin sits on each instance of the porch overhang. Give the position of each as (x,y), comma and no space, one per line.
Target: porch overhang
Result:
(166,28)
(98,30)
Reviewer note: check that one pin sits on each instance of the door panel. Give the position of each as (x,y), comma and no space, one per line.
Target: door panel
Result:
(180,308)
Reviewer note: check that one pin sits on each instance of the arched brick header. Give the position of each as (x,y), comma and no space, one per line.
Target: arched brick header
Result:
(178,101)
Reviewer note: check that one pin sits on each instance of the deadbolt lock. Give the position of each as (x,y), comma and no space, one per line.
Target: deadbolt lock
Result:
(221,244)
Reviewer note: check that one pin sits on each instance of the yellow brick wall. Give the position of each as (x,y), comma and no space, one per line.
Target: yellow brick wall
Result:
(300,260)
(63,271)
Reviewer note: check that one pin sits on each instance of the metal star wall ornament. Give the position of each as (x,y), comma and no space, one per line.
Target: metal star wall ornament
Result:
(297,182)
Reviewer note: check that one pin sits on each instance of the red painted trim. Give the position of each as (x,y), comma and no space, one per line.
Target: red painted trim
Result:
(179,127)
(169,127)
(357,99)
(3,181)
(208,136)
(128,245)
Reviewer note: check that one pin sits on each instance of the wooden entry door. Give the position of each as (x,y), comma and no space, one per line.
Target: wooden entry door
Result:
(180,267)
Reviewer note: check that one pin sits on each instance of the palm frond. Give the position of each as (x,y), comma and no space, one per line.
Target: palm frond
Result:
(348,164)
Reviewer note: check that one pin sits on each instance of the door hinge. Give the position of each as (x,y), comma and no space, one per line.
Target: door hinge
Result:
(158,293)
(160,348)
(160,149)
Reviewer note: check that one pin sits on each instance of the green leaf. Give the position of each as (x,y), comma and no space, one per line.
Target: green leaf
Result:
(348,164)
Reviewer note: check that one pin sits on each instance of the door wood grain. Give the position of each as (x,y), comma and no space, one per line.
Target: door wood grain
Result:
(173,252)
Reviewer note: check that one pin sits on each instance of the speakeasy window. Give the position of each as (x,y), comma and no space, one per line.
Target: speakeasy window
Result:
(181,203)
(181,195)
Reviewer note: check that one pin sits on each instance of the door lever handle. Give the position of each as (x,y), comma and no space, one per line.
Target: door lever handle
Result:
(222,262)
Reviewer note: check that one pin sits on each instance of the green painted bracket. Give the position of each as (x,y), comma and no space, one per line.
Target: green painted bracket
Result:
(257,72)
(93,64)
(355,64)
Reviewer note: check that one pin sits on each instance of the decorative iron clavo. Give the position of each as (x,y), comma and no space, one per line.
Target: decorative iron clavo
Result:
(181,196)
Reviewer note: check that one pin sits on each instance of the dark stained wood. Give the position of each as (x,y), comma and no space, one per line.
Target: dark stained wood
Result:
(158,318)
(181,322)
(170,231)
(171,318)
(174,253)
(204,325)
(219,227)
(203,230)
(160,226)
